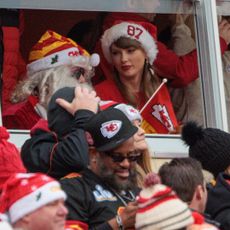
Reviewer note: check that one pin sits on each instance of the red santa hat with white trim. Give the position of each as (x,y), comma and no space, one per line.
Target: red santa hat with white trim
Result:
(24,193)
(54,50)
(143,32)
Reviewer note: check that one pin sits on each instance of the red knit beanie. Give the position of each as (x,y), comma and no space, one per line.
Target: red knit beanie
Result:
(10,161)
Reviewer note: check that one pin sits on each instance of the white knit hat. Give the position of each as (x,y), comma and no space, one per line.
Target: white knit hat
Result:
(161,209)
(24,193)
(128,110)
(143,32)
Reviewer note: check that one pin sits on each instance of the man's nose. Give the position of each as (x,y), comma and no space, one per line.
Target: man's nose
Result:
(125,163)
(62,210)
(81,79)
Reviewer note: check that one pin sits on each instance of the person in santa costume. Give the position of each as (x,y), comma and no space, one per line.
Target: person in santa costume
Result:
(54,62)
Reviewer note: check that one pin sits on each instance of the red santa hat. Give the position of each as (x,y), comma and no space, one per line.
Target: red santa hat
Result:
(54,50)
(10,161)
(24,193)
(160,208)
(143,32)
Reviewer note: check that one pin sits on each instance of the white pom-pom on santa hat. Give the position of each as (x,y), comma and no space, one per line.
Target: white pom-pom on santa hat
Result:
(133,30)
(94,60)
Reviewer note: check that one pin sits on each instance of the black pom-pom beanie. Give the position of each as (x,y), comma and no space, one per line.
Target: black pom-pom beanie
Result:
(210,146)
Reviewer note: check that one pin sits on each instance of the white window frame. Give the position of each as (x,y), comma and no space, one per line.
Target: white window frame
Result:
(162,146)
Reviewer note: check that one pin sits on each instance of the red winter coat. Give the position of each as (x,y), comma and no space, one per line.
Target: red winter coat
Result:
(13,65)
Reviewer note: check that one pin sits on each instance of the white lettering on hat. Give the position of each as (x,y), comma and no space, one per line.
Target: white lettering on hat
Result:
(110,128)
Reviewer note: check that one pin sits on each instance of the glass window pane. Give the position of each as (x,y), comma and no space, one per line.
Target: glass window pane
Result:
(223,20)
(170,18)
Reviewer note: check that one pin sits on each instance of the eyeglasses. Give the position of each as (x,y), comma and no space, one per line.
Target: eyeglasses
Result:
(118,157)
(77,72)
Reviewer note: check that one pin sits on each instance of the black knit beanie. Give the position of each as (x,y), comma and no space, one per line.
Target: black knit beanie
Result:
(210,146)
(59,120)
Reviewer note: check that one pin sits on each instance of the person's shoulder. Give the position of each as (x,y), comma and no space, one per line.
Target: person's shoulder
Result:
(70,178)
(42,124)
(73,182)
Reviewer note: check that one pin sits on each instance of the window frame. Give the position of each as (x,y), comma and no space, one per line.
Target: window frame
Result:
(163,146)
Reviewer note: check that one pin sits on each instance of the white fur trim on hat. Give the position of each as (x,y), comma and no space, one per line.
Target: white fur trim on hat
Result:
(69,56)
(33,201)
(5,226)
(133,31)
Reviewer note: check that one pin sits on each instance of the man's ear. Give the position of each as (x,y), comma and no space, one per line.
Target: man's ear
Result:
(199,192)
(227,170)
(93,154)
(93,158)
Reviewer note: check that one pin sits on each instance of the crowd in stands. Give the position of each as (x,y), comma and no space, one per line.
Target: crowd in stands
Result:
(87,164)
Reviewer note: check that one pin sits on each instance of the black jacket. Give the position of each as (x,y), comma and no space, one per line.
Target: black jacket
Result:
(46,152)
(218,204)
(89,200)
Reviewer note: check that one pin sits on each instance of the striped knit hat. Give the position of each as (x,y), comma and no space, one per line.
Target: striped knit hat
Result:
(161,209)
(54,50)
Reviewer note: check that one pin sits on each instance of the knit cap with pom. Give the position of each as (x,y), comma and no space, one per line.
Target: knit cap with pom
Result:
(210,146)
(160,208)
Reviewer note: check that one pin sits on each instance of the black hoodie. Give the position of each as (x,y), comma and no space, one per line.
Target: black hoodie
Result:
(218,204)
(63,148)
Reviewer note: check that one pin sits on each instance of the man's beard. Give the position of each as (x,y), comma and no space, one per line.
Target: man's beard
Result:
(110,179)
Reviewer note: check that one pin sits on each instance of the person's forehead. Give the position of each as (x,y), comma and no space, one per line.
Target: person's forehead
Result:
(127,146)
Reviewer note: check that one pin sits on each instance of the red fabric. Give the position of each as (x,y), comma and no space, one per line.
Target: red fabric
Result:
(107,90)
(159,112)
(41,124)
(50,43)
(106,104)
(20,116)
(13,65)
(27,184)
(75,224)
(198,218)
(157,202)
(10,161)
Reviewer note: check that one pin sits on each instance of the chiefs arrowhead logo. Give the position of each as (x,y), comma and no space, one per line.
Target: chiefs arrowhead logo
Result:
(131,110)
(160,112)
(110,128)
